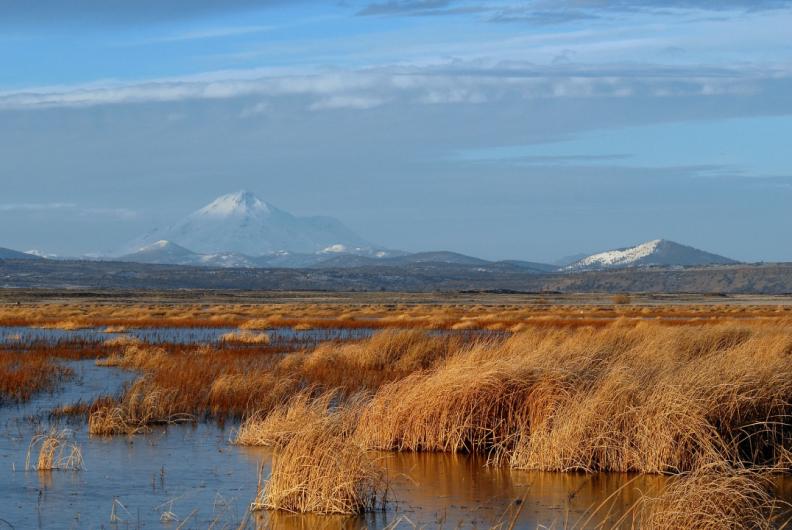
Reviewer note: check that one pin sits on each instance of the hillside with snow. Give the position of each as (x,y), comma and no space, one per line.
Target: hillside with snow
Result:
(244,224)
(658,252)
(168,253)
(7,253)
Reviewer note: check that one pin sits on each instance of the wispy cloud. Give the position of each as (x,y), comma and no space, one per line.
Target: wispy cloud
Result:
(120,213)
(254,110)
(122,13)
(454,82)
(208,33)
(405,7)
(347,102)
(544,12)
(33,206)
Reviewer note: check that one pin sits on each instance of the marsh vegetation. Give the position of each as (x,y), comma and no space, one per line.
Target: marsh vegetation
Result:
(697,396)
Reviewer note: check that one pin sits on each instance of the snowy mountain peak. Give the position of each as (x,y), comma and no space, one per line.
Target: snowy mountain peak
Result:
(657,252)
(239,204)
(242,223)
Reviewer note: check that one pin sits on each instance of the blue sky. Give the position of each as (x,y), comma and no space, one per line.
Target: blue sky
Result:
(504,129)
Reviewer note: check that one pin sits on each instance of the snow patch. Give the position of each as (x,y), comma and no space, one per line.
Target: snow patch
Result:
(338,248)
(239,204)
(612,258)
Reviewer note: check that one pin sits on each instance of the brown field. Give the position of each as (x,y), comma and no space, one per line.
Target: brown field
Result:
(700,391)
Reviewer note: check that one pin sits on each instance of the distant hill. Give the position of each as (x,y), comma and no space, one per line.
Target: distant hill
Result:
(346,260)
(168,253)
(529,265)
(418,277)
(7,253)
(658,252)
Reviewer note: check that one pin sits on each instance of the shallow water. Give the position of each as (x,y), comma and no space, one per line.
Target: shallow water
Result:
(25,335)
(191,475)
(192,472)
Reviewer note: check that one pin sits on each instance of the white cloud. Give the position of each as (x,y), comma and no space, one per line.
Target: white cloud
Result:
(450,83)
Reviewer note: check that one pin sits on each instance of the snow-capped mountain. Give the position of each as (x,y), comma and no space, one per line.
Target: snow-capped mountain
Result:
(242,223)
(658,252)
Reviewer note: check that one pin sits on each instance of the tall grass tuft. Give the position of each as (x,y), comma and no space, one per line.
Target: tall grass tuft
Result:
(141,407)
(712,498)
(246,337)
(321,469)
(55,450)
(275,428)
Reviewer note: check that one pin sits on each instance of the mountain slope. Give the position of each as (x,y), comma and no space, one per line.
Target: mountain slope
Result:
(7,253)
(241,222)
(529,266)
(161,251)
(165,252)
(658,252)
(437,257)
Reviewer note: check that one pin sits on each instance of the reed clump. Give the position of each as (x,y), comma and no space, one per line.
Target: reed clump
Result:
(141,406)
(134,355)
(246,337)
(712,498)
(321,469)
(55,450)
(275,428)
(644,398)
(257,324)
(387,355)
(122,341)
(192,382)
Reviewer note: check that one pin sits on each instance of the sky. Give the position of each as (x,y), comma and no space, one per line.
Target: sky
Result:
(528,129)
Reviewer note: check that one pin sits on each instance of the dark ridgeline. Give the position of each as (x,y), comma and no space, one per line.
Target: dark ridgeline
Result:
(418,277)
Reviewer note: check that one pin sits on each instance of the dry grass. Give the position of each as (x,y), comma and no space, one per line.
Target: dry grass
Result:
(23,374)
(621,299)
(188,382)
(534,312)
(701,392)
(387,355)
(55,451)
(322,470)
(122,340)
(275,428)
(245,337)
(140,407)
(646,398)
(257,323)
(713,498)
